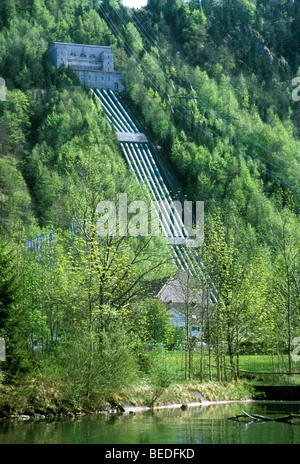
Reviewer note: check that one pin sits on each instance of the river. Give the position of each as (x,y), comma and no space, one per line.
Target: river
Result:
(196,425)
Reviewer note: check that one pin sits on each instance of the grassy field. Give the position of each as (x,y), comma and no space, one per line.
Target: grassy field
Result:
(255,363)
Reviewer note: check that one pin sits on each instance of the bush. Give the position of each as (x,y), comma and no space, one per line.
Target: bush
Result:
(161,378)
(98,364)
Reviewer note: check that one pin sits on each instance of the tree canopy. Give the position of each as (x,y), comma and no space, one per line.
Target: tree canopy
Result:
(211,83)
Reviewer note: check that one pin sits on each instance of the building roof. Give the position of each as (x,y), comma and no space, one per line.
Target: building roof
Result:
(151,288)
(81,45)
(179,289)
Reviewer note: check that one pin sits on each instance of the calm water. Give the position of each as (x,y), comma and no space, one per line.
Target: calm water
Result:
(197,425)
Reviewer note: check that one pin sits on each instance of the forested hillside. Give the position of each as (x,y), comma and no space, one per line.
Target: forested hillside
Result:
(211,81)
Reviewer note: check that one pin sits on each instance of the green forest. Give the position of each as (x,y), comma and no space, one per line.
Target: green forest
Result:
(211,82)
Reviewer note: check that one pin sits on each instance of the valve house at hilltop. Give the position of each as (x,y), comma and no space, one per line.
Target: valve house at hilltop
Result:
(93,64)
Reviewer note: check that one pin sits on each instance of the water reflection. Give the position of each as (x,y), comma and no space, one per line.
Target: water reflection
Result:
(196,425)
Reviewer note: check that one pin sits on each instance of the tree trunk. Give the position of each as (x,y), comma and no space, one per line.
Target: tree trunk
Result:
(289,324)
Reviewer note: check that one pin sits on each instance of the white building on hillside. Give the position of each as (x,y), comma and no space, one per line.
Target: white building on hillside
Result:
(94,64)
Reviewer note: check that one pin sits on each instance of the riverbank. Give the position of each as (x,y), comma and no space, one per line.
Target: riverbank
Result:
(38,400)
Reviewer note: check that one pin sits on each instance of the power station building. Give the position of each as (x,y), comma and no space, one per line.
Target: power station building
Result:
(93,64)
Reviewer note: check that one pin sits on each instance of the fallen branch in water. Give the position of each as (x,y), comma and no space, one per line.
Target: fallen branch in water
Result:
(255,417)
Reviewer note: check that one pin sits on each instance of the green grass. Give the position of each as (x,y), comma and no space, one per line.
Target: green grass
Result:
(185,392)
(255,363)
(262,363)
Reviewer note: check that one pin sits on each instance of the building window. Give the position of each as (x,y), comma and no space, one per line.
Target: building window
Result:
(83,55)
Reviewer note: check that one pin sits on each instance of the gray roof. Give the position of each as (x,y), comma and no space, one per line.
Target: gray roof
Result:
(181,289)
(178,289)
(152,288)
(80,45)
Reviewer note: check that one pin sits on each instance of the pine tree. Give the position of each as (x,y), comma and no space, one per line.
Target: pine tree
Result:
(11,317)
(8,282)
(8,11)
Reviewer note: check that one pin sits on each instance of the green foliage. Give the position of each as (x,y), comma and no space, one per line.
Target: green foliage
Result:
(99,361)
(230,133)
(160,378)
(12,316)
(92,30)
(14,122)
(153,323)
(15,199)
(9,281)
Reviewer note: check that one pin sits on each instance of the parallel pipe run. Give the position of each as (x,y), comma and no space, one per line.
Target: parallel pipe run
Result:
(121,108)
(113,101)
(145,178)
(143,164)
(116,119)
(145,161)
(117,123)
(108,110)
(163,192)
(142,168)
(129,155)
(110,103)
(159,196)
(107,114)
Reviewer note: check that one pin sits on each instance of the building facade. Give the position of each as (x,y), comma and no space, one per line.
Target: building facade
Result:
(93,64)
(184,299)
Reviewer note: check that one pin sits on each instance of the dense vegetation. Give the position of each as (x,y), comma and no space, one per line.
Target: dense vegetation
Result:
(212,83)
